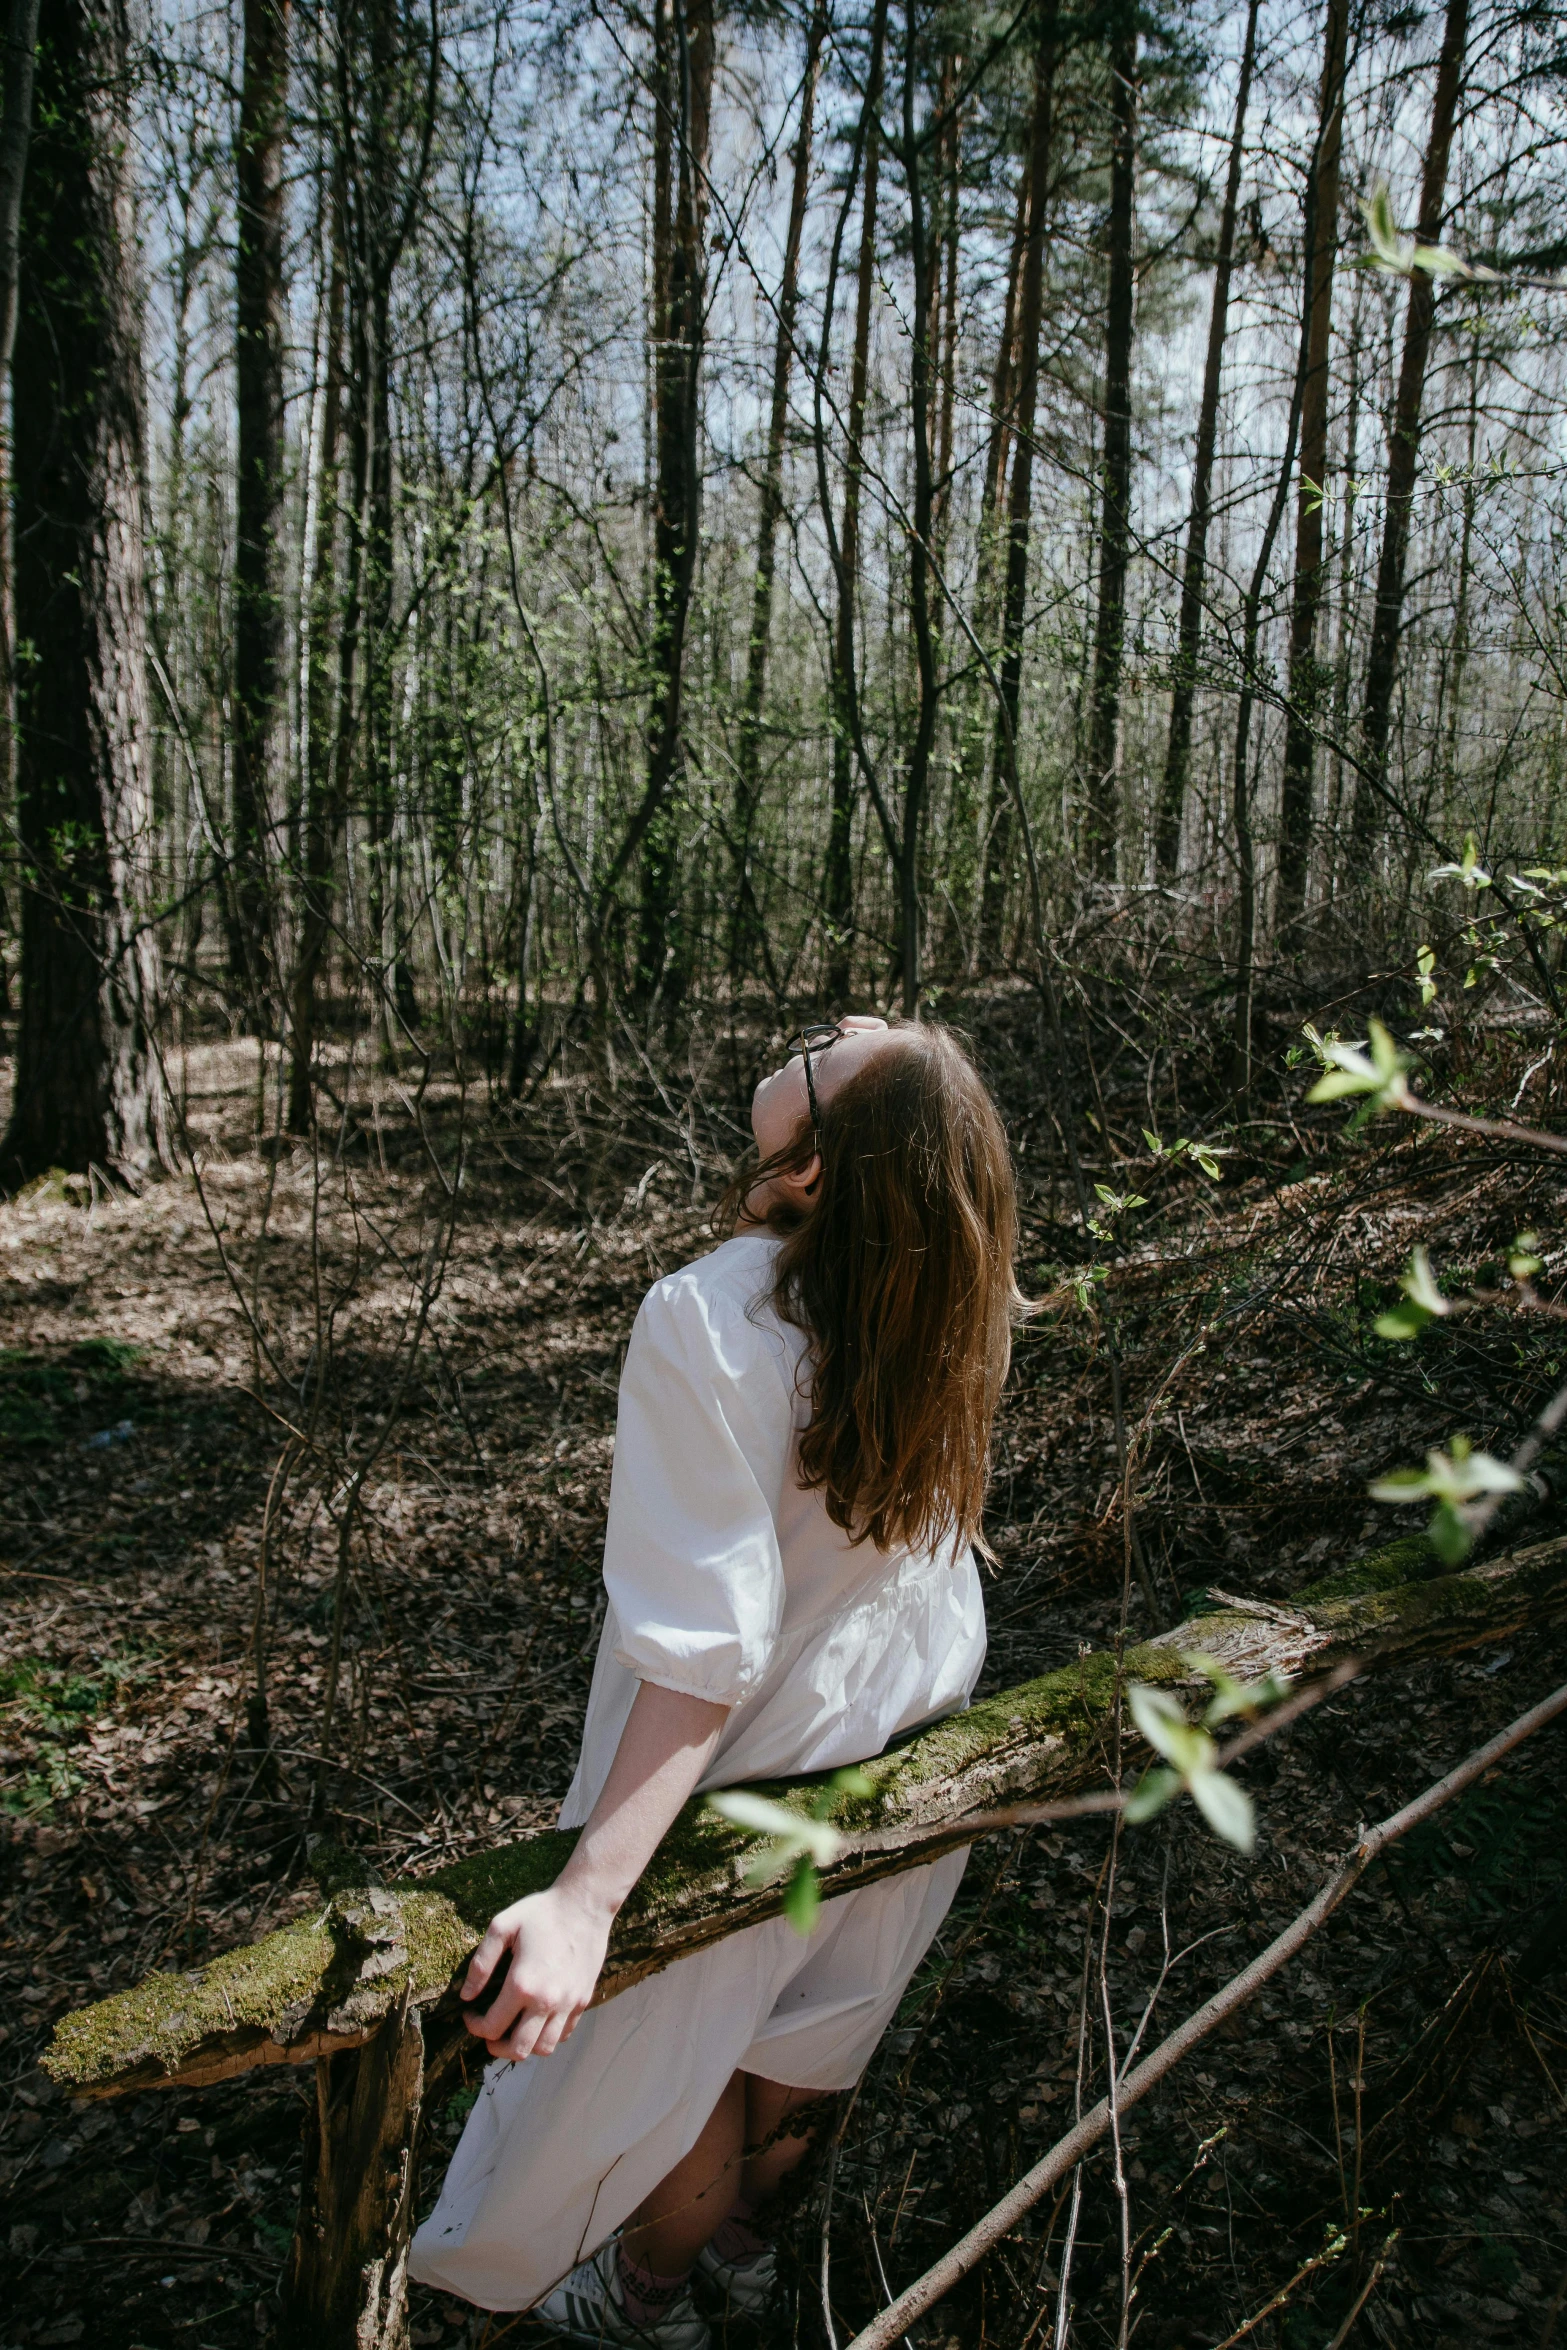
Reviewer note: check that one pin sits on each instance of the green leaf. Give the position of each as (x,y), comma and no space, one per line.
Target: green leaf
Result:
(1339,1082)
(1152,1792)
(1405,1321)
(1378,1073)
(1418,1283)
(1401,1485)
(802,1901)
(1424,1301)
(1164,1725)
(1228,1809)
(757,1812)
(852,1781)
(1449,1537)
(1231,1696)
(1389,250)
(1452,1478)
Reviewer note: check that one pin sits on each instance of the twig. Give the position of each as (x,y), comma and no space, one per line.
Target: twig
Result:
(1365,2293)
(1110,1799)
(832,2173)
(1500,1129)
(1000,2221)
(1331,2251)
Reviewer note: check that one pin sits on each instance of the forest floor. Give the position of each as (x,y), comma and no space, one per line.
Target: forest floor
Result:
(1401,2085)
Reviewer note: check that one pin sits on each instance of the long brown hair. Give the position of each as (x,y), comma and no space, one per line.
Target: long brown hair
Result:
(901,1274)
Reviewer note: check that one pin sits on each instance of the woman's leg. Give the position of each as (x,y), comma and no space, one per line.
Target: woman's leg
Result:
(670,2226)
(768,2105)
(718,2187)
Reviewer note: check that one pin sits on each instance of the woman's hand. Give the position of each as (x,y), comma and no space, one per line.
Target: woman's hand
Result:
(553,1944)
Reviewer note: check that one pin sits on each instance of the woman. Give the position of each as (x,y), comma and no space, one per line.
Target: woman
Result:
(800,1464)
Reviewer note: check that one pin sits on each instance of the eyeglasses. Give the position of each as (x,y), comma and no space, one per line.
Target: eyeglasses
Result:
(814,1039)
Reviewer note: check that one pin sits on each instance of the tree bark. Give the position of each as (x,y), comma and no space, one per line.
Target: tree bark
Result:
(259,643)
(1000,828)
(683,93)
(346,2283)
(331,1979)
(1102,808)
(16,117)
(924,249)
(1178,749)
(330,631)
(1404,441)
(1309,677)
(838,879)
(86,1082)
(747,934)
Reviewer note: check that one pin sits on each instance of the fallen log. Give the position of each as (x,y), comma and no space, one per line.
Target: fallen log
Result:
(370,1955)
(326,1982)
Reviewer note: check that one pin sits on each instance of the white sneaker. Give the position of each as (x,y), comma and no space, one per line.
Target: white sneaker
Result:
(587,2307)
(746,2286)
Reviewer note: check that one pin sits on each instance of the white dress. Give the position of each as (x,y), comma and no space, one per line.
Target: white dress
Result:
(726,1580)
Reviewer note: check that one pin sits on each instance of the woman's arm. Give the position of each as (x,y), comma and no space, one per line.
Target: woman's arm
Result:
(557,1939)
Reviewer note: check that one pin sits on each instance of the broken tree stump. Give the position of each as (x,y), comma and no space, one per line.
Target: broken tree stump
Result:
(364,1984)
(347,2274)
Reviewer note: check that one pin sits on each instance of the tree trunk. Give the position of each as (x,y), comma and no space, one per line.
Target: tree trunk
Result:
(1004,775)
(998,440)
(259,645)
(346,2282)
(16,117)
(924,251)
(86,1080)
(838,881)
(993,856)
(747,934)
(683,86)
(1251,623)
(1178,749)
(329,631)
(1309,677)
(1404,440)
(1115,531)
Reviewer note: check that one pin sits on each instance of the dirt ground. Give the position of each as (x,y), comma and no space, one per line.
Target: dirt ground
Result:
(199,1385)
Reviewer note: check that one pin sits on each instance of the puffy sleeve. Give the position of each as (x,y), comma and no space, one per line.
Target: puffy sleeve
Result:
(702,1447)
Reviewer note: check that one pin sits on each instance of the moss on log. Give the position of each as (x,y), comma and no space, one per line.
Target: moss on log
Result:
(330,1979)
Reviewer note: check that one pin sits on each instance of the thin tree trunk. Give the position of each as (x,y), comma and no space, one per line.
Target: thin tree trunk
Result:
(1404,440)
(1460,636)
(838,881)
(1115,532)
(948,323)
(983,852)
(16,116)
(1178,749)
(1245,841)
(684,90)
(86,1079)
(1309,677)
(998,442)
(1345,617)
(747,935)
(924,249)
(330,631)
(1000,828)
(259,641)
